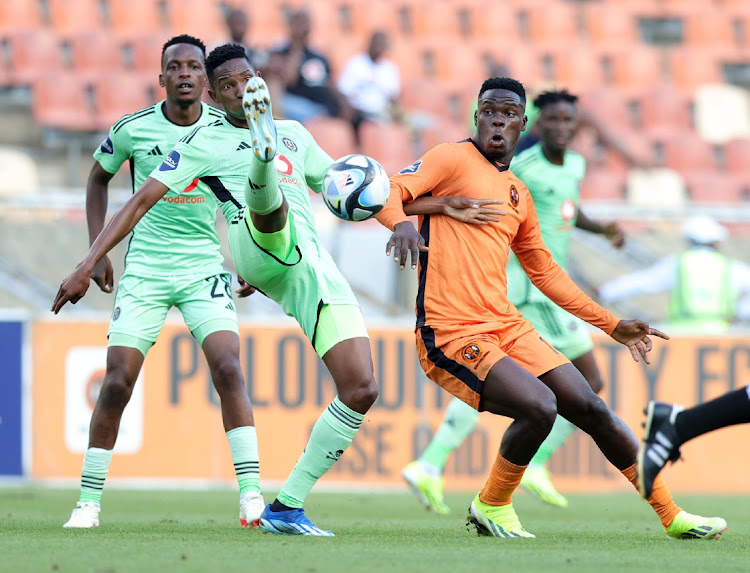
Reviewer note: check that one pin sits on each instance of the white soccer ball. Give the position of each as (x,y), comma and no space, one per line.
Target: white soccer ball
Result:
(355,187)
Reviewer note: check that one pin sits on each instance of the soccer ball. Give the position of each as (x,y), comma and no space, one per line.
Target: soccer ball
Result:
(355,187)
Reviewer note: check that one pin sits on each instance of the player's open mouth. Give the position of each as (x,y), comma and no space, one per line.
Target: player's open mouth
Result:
(497,139)
(185,87)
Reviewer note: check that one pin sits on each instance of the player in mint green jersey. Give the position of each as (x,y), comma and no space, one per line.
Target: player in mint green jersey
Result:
(553,174)
(260,176)
(173,259)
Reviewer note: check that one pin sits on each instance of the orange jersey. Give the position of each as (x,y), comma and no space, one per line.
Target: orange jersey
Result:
(462,280)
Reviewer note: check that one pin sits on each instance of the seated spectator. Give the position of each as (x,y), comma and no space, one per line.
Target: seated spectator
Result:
(306,76)
(372,84)
(237,21)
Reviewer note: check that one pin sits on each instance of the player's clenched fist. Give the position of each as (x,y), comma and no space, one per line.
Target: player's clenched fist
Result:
(73,288)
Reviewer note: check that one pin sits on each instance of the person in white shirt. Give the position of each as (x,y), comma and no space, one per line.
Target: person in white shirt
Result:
(372,84)
(706,287)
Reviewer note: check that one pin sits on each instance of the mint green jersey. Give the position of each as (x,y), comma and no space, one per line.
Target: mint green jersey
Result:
(555,190)
(178,235)
(218,156)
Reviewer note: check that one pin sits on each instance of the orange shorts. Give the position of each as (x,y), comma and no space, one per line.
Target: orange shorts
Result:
(462,365)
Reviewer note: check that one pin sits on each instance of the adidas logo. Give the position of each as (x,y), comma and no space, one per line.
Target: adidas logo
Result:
(229,306)
(253,185)
(155,151)
(242,146)
(660,450)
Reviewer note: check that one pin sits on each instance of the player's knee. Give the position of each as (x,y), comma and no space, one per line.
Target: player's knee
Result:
(227,375)
(541,413)
(594,412)
(361,394)
(117,388)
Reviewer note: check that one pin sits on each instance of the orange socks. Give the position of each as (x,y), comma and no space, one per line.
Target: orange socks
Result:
(504,479)
(661,500)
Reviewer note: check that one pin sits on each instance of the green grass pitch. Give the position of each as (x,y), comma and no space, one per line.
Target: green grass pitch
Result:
(188,531)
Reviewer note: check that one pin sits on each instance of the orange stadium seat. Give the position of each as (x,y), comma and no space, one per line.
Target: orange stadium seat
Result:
(93,51)
(604,185)
(391,144)
(201,18)
(118,94)
(570,66)
(444,131)
(143,53)
(612,106)
(690,68)
(64,100)
(19,16)
(665,107)
(737,152)
(684,151)
(137,17)
(28,55)
(268,24)
(713,187)
(632,66)
(709,28)
(334,135)
(553,23)
(607,24)
(67,16)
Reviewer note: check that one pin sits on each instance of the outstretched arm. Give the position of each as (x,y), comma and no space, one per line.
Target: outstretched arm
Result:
(610,230)
(75,286)
(97,195)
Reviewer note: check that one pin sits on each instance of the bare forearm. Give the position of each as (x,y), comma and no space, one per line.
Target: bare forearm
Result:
(96,209)
(583,222)
(425,206)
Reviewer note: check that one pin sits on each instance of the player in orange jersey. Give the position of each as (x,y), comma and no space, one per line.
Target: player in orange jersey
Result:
(474,343)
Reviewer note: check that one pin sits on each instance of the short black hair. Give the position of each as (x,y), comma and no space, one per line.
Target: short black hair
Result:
(546,98)
(222,54)
(184,39)
(504,84)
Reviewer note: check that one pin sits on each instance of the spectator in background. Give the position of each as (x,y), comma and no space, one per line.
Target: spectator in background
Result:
(704,285)
(237,22)
(372,84)
(306,76)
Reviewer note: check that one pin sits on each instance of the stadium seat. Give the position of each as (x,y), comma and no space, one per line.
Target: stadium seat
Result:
(684,151)
(334,135)
(201,18)
(710,28)
(603,185)
(717,188)
(737,152)
(568,65)
(664,107)
(389,143)
(27,55)
(607,23)
(117,94)
(690,68)
(19,16)
(554,23)
(722,112)
(136,18)
(91,51)
(631,66)
(143,52)
(443,132)
(64,100)
(268,24)
(71,16)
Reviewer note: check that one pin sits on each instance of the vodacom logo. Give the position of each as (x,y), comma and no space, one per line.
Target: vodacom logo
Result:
(283,165)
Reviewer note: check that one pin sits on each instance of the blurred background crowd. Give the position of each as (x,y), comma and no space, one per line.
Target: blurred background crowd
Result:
(664,98)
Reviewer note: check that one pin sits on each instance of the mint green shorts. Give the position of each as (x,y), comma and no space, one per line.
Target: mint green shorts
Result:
(142,303)
(566,332)
(300,276)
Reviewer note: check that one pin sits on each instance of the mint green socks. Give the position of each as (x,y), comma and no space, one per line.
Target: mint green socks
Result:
(460,420)
(331,435)
(243,442)
(95,467)
(560,431)
(262,193)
